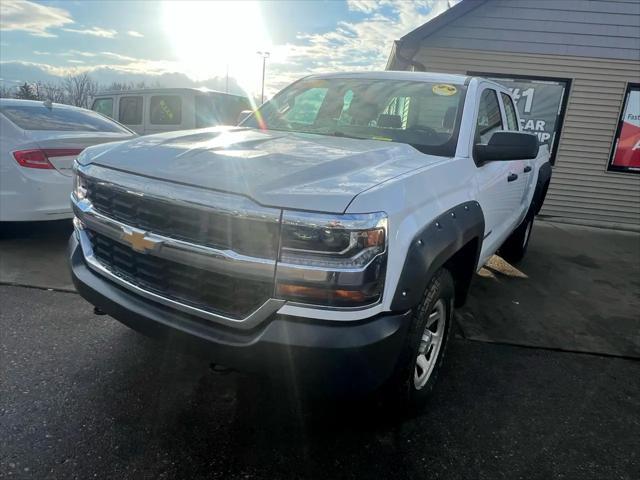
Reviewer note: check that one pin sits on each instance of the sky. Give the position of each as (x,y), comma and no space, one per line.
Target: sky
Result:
(193,43)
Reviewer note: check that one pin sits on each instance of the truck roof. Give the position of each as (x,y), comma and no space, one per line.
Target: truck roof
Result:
(394,75)
(139,91)
(436,77)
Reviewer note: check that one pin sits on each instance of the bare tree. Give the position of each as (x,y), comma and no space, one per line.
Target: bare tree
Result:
(54,92)
(79,89)
(6,92)
(26,92)
(123,86)
(119,86)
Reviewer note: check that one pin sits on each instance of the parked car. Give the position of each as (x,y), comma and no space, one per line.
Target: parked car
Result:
(327,238)
(166,109)
(39,142)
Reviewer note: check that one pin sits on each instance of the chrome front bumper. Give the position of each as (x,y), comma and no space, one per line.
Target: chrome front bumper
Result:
(177,251)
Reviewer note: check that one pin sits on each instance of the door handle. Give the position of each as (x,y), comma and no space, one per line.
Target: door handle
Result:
(512,177)
(527,169)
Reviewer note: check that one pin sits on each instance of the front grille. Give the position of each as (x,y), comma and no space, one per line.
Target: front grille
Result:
(192,223)
(211,291)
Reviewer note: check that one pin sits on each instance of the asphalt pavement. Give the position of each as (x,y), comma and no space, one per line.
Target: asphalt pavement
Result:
(82,396)
(577,289)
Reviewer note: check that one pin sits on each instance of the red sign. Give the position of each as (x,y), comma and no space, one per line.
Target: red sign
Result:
(626,151)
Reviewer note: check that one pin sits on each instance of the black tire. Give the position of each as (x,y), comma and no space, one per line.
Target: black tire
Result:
(401,389)
(515,247)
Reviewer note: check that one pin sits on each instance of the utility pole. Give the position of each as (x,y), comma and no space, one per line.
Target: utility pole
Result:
(264,56)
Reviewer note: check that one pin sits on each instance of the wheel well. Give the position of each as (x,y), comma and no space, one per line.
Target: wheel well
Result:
(539,200)
(462,266)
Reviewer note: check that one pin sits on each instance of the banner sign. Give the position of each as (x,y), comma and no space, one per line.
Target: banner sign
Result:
(539,104)
(625,154)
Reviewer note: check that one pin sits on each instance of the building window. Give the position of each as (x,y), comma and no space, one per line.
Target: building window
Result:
(166,110)
(625,153)
(130,112)
(541,103)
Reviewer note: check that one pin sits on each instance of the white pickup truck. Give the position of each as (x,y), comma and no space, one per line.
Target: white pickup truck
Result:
(327,238)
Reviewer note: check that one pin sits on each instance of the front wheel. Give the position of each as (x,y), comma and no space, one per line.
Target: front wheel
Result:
(515,247)
(424,350)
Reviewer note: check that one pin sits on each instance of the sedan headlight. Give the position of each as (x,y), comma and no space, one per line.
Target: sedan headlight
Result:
(332,260)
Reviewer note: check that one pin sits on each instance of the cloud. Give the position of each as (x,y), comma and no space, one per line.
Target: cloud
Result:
(74,61)
(93,31)
(82,54)
(38,52)
(133,33)
(32,17)
(366,6)
(362,44)
(118,56)
(16,73)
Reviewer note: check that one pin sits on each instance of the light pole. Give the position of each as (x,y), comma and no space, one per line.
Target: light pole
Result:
(264,56)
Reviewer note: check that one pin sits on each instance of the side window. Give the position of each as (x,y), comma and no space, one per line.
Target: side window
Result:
(165,110)
(306,106)
(206,112)
(510,112)
(489,118)
(103,106)
(130,112)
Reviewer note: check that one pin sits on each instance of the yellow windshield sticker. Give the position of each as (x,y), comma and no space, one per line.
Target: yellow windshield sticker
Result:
(444,89)
(386,139)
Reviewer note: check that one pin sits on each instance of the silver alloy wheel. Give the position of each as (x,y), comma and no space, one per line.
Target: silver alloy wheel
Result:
(430,345)
(527,232)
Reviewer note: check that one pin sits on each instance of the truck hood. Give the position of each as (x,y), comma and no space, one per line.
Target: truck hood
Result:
(279,169)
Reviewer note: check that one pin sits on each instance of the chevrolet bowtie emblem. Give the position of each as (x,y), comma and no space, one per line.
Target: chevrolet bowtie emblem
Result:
(139,241)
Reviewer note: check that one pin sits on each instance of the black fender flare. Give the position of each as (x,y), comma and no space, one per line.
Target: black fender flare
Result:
(542,184)
(433,246)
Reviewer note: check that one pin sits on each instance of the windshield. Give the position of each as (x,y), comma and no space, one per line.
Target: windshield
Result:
(422,114)
(40,117)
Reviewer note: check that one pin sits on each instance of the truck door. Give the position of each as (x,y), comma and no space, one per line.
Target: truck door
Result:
(499,192)
(522,168)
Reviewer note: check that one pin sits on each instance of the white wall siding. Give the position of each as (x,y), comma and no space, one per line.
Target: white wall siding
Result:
(591,28)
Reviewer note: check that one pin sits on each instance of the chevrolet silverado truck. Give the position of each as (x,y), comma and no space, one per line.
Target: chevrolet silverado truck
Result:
(327,238)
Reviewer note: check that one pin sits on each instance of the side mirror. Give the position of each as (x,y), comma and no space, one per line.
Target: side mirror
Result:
(244,115)
(507,146)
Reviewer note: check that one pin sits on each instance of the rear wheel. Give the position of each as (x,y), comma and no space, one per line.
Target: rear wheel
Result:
(515,247)
(425,346)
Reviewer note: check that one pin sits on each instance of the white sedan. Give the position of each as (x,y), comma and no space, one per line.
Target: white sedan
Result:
(38,143)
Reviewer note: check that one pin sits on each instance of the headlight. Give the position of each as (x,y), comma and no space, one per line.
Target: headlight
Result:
(332,260)
(79,185)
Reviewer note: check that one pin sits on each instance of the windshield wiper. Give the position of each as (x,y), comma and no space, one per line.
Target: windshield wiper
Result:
(337,133)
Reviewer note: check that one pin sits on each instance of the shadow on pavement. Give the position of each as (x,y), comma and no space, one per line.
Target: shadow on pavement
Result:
(85,397)
(34,254)
(577,289)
